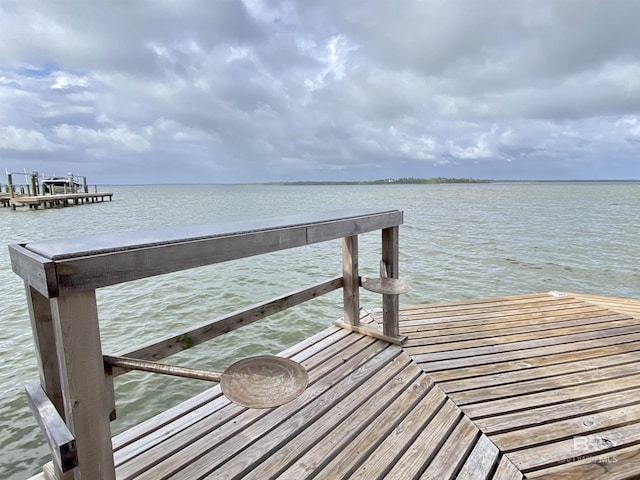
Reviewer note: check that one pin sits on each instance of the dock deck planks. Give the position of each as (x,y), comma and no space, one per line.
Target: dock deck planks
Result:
(369,412)
(551,380)
(543,386)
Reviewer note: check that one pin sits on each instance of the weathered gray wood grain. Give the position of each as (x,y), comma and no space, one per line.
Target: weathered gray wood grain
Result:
(58,435)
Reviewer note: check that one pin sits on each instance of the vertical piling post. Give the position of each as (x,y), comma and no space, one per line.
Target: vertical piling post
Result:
(390,303)
(83,383)
(351,280)
(34,185)
(45,346)
(11,192)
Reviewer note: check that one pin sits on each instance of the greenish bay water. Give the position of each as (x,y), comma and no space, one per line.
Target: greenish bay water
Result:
(459,241)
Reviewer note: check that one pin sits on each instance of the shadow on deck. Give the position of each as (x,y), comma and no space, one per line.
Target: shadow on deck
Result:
(535,386)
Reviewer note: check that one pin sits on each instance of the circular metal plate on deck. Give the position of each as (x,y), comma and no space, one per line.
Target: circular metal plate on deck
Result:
(264,381)
(385,286)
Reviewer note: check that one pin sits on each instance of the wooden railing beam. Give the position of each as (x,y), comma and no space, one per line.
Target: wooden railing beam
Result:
(196,336)
(91,262)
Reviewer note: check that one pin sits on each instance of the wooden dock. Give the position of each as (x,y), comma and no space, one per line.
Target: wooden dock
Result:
(48,194)
(540,386)
(534,386)
(56,200)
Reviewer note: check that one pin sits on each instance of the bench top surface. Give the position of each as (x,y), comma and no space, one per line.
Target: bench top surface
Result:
(66,248)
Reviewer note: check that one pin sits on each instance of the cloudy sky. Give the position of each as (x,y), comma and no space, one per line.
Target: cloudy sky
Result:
(233,91)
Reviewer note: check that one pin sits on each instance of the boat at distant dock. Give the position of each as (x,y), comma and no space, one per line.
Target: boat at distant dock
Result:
(53,185)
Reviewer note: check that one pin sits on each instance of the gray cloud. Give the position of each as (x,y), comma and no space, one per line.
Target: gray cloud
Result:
(274,90)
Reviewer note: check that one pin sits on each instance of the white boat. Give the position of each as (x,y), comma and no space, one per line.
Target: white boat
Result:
(59,185)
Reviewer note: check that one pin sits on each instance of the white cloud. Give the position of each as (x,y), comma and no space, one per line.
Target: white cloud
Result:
(21,139)
(481,150)
(281,89)
(120,138)
(64,80)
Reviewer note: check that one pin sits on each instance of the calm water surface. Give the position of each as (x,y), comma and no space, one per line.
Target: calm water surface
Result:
(458,242)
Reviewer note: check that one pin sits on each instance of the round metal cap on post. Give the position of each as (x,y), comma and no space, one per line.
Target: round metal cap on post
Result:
(264,381)
(385,285)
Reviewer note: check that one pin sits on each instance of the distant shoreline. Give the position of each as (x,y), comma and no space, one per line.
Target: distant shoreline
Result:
(426,181)
(387,181)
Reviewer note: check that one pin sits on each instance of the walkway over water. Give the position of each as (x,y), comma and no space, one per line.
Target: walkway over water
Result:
(531,386)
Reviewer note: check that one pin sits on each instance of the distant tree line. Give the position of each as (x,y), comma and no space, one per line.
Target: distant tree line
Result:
(414,180)
(388,181)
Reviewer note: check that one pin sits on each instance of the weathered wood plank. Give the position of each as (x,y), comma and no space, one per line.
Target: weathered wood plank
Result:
(485,319)
(83,382)
(422,451)
(278,449)
(289,418)
(359,447)
(329,224)
(537,385)
(36,270)
(328,434)
(557,396)
(528,371)
(58,435)
(44,342)
(372,331)
(215,412)
(533,322)
(480,462)
(198,335)
(453,453)
(506,470)
(122,257)
(219,444)
(461,305)
(582,426)
(351,281)
(302,351)
(521,340)
(382,459)
(181,438)
(552,413)
(575,449)
(574,344)
(415,318)
(619,465)
(630,306)
(391,260)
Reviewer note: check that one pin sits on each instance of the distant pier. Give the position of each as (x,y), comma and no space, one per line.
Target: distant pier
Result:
(49,192)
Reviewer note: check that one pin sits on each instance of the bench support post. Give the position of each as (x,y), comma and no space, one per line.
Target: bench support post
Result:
(390,303)
(351,280)
(85,395)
